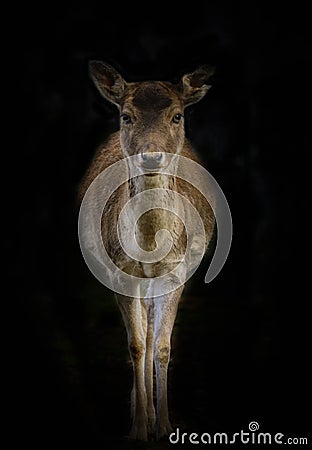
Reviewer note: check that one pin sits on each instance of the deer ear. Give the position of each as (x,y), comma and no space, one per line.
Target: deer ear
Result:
(108,81)
(193,85)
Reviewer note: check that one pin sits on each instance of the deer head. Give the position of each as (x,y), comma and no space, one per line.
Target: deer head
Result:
(151,112)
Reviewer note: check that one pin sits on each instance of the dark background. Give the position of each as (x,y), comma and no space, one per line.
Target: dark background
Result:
(240,344)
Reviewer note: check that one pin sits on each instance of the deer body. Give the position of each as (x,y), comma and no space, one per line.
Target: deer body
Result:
(151,127)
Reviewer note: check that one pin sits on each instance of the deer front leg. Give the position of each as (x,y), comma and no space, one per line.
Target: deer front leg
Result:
(131,310)
(149,368)
(165,313)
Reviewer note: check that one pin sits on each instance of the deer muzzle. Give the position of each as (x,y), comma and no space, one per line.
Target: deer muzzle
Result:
(150,158)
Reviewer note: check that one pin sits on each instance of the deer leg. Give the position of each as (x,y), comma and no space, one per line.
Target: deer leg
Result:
(131,310)
(149,368)
(165,311)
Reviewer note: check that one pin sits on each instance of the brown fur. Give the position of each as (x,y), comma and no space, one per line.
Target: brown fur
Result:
(149,129)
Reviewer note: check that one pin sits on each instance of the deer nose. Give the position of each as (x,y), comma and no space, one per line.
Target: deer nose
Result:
(156,156)
(149,158)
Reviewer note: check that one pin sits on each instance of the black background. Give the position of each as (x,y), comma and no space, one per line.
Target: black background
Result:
(240,348)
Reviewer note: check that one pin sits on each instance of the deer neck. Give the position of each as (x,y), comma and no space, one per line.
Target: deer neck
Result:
(157,200)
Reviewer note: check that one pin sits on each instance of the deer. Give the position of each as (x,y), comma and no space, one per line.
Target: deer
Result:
(152,128)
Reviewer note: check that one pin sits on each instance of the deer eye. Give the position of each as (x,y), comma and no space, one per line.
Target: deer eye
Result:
(176,118)
(125,118)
